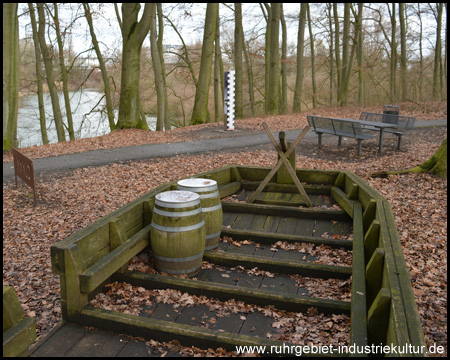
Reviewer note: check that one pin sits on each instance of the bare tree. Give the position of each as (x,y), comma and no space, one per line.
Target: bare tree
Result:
(104,71)
(39,75)
(64,76)
(50,77)
(297,107)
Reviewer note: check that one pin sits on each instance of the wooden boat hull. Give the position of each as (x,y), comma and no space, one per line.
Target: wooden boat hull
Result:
(382,307)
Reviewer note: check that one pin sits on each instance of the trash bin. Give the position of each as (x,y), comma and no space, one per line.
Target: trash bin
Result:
(391,109)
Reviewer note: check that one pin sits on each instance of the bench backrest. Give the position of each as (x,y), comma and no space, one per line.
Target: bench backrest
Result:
(347,126)
(402,122)
(321,123)
(335,125)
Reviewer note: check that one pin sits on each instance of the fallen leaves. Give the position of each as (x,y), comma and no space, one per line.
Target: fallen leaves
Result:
(298,328)
(71,201)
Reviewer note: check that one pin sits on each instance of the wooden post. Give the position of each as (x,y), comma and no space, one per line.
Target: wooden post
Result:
(277,166)
(283,176)
(288,165)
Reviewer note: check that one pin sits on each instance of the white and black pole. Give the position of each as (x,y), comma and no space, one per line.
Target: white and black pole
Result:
(229,99)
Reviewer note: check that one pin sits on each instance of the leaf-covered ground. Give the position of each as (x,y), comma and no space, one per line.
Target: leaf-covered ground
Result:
(70,201)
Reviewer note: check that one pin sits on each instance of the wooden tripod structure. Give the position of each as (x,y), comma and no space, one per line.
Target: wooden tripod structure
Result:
(283,154)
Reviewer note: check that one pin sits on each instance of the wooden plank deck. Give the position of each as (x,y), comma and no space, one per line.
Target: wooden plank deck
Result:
(73,340)
(274,217)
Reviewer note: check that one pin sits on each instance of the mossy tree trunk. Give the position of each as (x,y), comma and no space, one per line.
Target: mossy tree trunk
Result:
(283,102)
(272,97)
(297,106)
(200,114)
(436,165)
(11,69)
(133,34)
(238,63)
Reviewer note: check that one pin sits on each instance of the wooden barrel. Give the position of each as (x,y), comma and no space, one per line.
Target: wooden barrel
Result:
(211,207)
(177,232)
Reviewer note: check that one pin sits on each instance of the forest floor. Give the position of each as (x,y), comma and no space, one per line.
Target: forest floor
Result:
(74,199)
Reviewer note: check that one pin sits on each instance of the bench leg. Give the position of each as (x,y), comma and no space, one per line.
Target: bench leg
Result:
(340,141)
(359,146)
(399,142)
(320,139)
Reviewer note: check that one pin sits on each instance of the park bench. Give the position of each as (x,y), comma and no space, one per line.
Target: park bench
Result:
(403,123)
(338,127)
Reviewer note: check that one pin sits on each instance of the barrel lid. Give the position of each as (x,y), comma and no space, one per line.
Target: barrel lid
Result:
(177,196)
(197,184)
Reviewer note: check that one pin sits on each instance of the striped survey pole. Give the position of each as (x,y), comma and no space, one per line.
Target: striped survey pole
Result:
(229,99)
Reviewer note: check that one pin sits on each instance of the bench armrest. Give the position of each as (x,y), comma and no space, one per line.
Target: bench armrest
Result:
(108,265)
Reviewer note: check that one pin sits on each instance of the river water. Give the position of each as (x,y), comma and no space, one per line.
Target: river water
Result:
(86,121)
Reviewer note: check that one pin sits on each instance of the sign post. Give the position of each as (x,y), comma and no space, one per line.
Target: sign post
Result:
(229,99)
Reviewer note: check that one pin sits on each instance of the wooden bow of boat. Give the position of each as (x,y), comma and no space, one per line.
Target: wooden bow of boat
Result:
(382,307)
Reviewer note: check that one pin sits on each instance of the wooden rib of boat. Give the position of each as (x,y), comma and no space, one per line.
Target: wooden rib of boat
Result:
(382,309)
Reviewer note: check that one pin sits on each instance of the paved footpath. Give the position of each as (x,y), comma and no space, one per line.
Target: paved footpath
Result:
(143,152)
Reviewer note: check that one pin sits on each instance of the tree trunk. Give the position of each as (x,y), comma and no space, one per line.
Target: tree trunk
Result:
(403,65)
(420,51)
(251,92)
(436,165)
(313,60)
(284,85)
(11,71)
(393,77)
(266,54)
(361,84)
(64,75)
(159,42)
(50,79)
(200,114)
(345,55)
(437,55)
(39,77)
(218,93)
(337,50)
(297,105)
(238,64)
(133,35)
(331,54)
(158,72)
(274,69)
(346,75)
(105,77)
(445,54)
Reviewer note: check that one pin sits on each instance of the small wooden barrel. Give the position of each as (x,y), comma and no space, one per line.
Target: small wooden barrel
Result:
(211,206)
(177,233)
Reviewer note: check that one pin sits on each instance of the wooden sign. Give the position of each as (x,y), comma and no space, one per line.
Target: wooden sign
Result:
(23,167)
